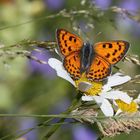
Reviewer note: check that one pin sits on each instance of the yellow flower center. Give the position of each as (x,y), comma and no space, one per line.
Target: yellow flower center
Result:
(130,108)
(92,88)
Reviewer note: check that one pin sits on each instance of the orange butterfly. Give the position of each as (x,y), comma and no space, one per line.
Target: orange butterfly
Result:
(96,61)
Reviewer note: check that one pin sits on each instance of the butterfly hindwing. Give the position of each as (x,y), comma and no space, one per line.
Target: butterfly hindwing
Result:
(99,69)
(112,51)
(68,42)
(72,65)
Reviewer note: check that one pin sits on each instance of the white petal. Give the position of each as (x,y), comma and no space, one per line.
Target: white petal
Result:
(87,98)
(117,79)
(106,108)
(84,86)
(116,94)
(61,72)
(106,88)
(137,100)
(98,99)
(56,50)
(103,103)
(118,112)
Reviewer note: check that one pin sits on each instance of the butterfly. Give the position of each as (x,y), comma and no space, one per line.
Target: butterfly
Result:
(95,60)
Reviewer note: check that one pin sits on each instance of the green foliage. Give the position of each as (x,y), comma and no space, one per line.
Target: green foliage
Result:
(27,24)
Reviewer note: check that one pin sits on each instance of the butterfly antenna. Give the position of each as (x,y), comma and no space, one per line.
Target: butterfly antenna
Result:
(85,35)
(98,34)
(79,30)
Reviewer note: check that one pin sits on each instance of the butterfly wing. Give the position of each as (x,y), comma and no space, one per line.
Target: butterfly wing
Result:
(99,69)
(68,42)
(72,64)
(112,51)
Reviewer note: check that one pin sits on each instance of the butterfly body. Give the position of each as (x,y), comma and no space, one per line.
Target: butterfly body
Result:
(94,60)
(86,57)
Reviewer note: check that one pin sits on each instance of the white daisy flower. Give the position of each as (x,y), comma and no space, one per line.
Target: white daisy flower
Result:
(96,91)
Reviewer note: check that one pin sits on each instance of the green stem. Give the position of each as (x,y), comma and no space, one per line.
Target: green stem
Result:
(76,102)
(37,116)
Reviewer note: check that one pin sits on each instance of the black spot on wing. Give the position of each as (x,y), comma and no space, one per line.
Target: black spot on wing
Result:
(69,48)
(108,55)
(70,38)
(104,46)
(114,53)
(110,45)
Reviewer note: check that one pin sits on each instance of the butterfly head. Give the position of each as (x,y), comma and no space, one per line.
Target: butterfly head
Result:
(87,54)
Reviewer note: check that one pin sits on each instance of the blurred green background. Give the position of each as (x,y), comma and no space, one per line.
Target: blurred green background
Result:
(27,86)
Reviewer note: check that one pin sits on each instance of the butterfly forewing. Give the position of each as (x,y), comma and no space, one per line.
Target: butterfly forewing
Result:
(99,69)
(72,65)
(112,51)
(68,42)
